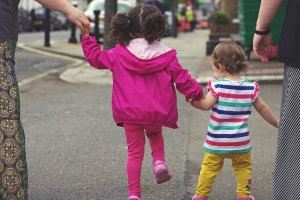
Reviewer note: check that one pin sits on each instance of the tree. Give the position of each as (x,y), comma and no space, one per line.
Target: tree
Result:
(110,11)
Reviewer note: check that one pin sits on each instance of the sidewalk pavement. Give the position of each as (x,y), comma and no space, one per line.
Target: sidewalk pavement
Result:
(189,46)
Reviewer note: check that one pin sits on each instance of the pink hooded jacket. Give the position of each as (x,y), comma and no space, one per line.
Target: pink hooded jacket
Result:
(143,89)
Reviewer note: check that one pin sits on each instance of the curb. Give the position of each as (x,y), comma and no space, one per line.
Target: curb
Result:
(86,74)
(200,79)
(75,63)
(54,52)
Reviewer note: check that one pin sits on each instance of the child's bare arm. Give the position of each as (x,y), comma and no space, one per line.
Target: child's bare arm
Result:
(206,103)
(265,111)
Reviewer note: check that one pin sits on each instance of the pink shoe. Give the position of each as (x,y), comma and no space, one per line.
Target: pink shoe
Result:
(133,197)
(245,198)
(161,172)
(199,198)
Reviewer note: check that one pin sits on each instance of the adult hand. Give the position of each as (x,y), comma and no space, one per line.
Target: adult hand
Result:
(278,123)
(262,44)
(78,18)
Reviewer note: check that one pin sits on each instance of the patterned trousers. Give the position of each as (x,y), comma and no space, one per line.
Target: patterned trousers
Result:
(13,167)
(286,184)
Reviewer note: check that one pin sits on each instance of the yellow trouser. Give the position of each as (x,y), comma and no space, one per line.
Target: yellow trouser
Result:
(212,165)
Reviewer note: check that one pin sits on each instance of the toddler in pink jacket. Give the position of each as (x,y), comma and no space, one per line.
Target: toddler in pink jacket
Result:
(143,99)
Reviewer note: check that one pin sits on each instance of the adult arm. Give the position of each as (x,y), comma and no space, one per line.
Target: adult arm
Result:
(268,9)
(75,15)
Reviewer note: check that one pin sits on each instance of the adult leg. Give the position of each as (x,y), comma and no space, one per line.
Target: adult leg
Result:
(286,183)
(241,164)
(135,138)
(13,167)
(211,166)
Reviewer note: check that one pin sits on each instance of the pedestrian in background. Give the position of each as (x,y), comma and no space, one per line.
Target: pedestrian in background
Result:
(190,17)
(286,181)
(143,98)
(13,166)
(184,26)
(230,97)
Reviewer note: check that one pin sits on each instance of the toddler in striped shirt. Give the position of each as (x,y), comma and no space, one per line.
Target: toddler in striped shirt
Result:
(230,98)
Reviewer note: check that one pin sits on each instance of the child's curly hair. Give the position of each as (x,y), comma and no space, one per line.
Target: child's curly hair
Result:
(231,55)
(144,20)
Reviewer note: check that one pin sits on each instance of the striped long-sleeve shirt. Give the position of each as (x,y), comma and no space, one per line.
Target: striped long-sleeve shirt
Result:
(228,130)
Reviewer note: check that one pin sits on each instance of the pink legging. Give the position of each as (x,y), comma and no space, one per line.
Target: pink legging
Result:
(135,136)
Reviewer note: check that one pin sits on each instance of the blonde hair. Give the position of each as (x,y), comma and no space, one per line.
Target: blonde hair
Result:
(231,55)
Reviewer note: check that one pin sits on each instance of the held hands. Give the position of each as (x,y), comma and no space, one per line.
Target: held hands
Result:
(78,18)
(86,31)
(261,45)
(196,103)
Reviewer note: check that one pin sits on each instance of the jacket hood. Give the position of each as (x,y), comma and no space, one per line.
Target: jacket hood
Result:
(137,65)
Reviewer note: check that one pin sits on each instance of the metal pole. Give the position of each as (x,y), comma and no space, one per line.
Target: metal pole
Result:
(110,11)
(174,19)
(27,6)
(47,27)
(72,38)
(96,28)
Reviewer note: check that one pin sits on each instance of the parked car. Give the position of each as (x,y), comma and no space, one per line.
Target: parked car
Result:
(66,24)
(57,20)
(123,6)
(25,23)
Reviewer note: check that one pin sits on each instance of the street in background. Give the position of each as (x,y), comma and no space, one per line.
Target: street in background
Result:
(98,5)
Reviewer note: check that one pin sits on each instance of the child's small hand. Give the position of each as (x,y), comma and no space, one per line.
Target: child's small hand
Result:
(188,100)
(86,30)
(194,103)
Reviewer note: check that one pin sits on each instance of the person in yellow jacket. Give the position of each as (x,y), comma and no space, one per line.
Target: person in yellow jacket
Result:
(190,18)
